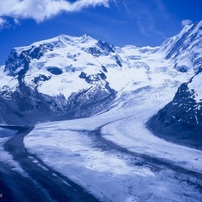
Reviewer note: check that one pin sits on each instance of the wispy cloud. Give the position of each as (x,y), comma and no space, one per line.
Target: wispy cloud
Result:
(161,9)
(6,22)
(148,16)
(40,10)
(186,22)
(2,23)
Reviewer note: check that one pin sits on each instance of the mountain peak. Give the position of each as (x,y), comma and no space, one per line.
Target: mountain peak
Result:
(185,48)
(76,39)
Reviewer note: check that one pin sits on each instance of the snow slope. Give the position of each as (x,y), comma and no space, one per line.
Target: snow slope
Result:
(185,48)
(196,86)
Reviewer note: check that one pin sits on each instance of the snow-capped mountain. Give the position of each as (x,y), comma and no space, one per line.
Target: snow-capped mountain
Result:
(68,77)
(185,48)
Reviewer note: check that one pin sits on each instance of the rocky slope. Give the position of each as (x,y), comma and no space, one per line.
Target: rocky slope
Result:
(181,119)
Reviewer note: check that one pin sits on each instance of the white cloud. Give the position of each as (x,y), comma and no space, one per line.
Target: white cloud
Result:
(6,23)
(16,21)
(2,23)
(186,22)
(40,10)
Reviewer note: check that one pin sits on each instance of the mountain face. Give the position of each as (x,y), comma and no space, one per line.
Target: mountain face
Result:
(46,85)
(185,48)
(181,119)
(71,77)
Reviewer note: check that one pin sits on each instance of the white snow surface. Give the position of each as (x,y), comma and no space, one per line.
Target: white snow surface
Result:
(122,172)
(196,86)
(6,82)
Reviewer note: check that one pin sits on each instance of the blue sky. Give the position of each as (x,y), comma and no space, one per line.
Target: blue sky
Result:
(120,22)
